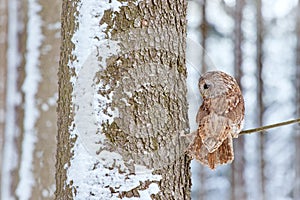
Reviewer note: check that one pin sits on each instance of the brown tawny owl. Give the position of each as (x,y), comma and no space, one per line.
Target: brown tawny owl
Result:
(220,118)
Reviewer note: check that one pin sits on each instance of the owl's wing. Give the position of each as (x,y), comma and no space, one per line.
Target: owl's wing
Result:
(219,117)
(223,155)
(213,130)
(203,111)
(231,107)
(236,114)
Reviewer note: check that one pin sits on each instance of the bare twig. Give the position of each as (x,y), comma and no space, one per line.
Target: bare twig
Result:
(259,129)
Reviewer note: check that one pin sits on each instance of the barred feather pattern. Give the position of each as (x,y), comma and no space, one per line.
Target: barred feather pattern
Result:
(220,119)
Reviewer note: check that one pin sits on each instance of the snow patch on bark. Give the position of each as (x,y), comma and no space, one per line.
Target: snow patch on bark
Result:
(92,180)
(97,175)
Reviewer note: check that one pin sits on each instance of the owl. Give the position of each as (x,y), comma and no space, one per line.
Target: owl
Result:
(220,118)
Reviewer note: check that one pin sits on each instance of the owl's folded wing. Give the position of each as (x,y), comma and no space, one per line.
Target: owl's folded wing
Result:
(232,108)
(213,130)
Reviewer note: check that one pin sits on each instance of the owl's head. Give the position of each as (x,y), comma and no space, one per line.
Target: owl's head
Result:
(216,83)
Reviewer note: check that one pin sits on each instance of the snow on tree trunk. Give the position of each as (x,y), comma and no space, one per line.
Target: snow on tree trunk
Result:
(122,101)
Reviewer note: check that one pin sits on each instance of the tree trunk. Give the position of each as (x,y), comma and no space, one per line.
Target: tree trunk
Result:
(29,145)
(14,113)
(260,89)
(43,162)
(238,166)
(3,72)
(122,101)
(297,135)
(203,30)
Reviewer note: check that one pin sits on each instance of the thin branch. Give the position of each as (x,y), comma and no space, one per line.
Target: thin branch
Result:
(259,129)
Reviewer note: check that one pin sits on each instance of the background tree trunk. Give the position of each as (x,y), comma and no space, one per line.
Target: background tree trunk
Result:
(297,128)
(122,105)
(45,147)
(3,72)
(33,41)
(203,30)
(238,166)
(14,99)
(260,93)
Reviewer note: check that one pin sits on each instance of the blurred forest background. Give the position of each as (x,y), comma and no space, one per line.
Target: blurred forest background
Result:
(256,41)
(259,43)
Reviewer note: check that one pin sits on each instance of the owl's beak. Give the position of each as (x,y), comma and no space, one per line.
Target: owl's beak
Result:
(202,93)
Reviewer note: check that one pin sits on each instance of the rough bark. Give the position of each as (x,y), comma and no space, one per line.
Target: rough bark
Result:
(64,143)
(238,179)
(145,83)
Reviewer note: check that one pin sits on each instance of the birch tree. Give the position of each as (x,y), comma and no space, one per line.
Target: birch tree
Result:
(122,101)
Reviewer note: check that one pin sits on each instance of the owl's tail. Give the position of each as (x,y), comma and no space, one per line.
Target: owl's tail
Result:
(223,155)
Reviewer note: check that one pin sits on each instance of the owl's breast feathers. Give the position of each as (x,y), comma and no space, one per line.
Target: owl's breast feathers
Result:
(230,106)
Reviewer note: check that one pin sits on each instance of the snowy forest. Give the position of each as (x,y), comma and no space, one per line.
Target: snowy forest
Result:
(94,95)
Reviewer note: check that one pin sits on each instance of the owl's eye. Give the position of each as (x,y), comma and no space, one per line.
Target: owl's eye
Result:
(205,86)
